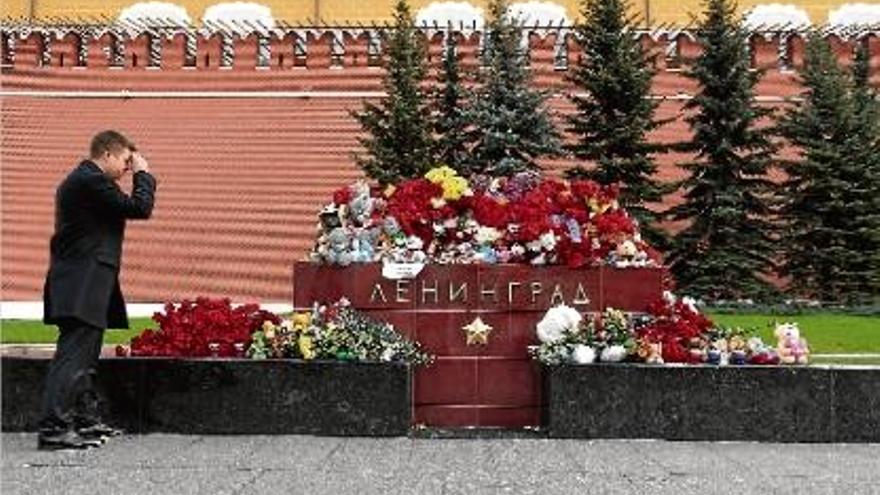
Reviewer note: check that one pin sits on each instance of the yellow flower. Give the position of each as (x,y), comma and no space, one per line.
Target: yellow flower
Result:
(596,207)
(306,347)
(440,174)
(301,320)
(454,188)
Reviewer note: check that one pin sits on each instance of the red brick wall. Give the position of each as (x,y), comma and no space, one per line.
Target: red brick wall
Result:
(240,178)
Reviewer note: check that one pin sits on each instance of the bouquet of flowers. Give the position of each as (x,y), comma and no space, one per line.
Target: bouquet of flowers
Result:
(567,337)
(204,327)
(336,332)
(563,338)
(672,331)
(613,335)
(446,218)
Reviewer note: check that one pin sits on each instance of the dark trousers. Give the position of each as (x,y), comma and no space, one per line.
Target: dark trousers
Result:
(69,397)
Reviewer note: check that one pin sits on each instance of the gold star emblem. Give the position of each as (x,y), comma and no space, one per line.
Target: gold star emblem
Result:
(477,332)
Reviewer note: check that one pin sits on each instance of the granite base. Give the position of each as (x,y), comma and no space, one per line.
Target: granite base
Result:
(229,396)
(745,403)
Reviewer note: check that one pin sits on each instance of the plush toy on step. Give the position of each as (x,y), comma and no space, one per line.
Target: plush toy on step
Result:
(791,348)
(339,247)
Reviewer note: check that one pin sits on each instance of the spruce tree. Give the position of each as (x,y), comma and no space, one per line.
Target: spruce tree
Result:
(814,246)
(451,123)
(832,211)
(864,285)
(398,143)
(511,126)
(726,248)
(614,112)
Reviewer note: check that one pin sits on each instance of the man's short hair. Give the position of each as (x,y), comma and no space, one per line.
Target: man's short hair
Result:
(111,141)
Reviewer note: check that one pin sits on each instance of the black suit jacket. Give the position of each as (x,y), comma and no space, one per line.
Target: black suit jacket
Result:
(86,250)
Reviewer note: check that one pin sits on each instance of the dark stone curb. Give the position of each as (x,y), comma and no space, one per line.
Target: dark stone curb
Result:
(229,396)
(240,396)
(745,403)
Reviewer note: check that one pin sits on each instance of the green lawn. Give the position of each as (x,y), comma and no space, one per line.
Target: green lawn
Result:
(826,333)
(34,332)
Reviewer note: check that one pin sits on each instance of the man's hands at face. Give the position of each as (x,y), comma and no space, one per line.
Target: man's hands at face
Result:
(139,163)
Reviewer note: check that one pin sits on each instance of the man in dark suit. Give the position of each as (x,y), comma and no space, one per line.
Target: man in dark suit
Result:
(82,294)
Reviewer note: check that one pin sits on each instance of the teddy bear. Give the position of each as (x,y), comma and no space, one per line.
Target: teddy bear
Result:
(338,247)
(361,204)
(650,352)
(761,353)
(791,348)
(363,246)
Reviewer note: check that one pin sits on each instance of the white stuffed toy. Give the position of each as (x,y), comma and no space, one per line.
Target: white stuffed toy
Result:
(792,349)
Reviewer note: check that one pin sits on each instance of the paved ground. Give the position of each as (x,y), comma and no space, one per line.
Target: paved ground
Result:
(177,464)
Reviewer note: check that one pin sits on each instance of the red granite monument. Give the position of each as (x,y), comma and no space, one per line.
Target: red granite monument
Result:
(478,320)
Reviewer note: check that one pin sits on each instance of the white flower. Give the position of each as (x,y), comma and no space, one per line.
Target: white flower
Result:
(583,354)
(556,322)
(613,354)
(387,354)
(548,241)
(669,297)
(690,302)
(414,243)
(487,235)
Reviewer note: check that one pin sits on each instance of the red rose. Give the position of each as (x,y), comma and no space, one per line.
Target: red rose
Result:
(584,189)
(342,196)
(489,212)
(189,328)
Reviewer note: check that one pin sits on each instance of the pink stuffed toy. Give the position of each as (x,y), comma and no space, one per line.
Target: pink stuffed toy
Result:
(792,349)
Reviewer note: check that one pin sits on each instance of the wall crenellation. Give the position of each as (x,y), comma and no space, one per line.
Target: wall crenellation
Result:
(554,49)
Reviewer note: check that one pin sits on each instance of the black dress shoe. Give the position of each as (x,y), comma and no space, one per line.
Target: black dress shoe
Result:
(64,439)
(98,430)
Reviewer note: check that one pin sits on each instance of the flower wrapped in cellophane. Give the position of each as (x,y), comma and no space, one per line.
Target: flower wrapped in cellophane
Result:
(445,218)
(335,332)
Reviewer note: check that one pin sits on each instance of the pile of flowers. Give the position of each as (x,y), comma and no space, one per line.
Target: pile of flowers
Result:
(567,336)
(337,332)
(446,218)
(201,328)
(214,328)
(673,331)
